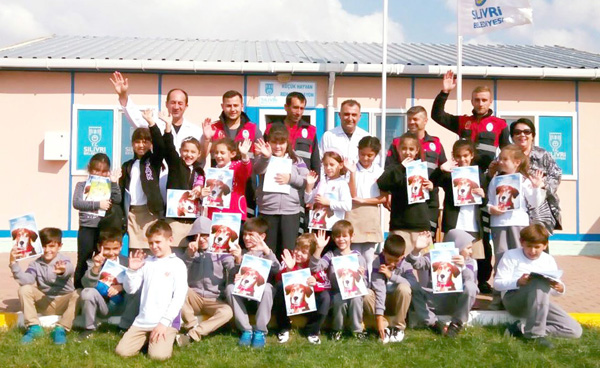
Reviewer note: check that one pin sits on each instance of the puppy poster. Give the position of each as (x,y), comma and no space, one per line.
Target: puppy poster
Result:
(416,175)
(506,191)
(277,165)
(464,180)
(349,278)
(112,273)
(299,297)
(224,232)
(220,182)
(97,188)
(254,273)
(182,204)
(25,236)
(446,277)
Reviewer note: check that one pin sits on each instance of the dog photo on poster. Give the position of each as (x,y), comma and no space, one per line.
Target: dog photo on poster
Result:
(220,182)
(96,189)
(112,273)
(446,277)
(25,236)
(182,204)
(507,189)
(416,175)
(250,281)
(299,297)
(464,180)
(224,232)
(350,279)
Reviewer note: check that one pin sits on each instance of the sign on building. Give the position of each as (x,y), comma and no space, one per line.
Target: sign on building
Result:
(272,93)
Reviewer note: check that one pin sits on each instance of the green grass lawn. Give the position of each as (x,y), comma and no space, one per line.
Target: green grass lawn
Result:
(476,347)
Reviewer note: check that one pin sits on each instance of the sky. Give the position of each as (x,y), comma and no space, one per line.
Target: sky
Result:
(572,23)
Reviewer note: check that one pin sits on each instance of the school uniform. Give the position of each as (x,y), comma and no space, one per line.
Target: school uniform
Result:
(93,303)
(163,284)
(391,296)
(207,277)
(532,301)
(340,201)
(353,308)
(240,304)
(43,291)
(242,170)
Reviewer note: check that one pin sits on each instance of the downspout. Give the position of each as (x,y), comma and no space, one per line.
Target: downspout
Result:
(330,104)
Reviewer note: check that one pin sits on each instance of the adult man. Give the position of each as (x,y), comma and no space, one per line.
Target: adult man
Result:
(488,133)
(303,135)
(176,104)
(346,136)
(433,153)
(482,128)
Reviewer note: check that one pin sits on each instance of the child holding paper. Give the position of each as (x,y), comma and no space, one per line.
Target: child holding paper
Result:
(526,296)
(342,232)
(281,210)
(254,233)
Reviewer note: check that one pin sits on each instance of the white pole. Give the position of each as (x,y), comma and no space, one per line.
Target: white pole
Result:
(459,40)
(384,78)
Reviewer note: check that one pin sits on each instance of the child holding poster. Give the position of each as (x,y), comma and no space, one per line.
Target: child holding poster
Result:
(25,236)
(89,215)
(278,196)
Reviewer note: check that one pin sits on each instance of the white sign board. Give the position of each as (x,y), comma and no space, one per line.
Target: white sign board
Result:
(272,93)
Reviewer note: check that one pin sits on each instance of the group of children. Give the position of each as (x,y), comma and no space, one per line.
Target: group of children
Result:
(157,288)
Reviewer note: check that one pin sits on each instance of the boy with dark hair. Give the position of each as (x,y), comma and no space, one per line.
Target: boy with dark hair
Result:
(254,233)
(46,287)
(207,277)
(342,232)
(100,299)
(391,289)
(526,292)
(163,282)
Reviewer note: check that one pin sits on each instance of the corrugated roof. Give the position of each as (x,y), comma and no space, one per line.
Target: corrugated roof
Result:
(192,53)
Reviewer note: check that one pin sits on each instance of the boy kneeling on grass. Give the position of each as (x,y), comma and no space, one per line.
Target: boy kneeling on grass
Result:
(46,287)
(526,293)
(163,280)
(99,299)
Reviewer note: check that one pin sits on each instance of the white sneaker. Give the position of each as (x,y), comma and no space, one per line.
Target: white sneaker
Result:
(314,339)
(283,337)
(396,335)
(386,336)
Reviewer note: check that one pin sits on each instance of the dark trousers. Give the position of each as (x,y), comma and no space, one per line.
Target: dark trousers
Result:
(87,237)
(484,266)
(282,232)
(315,319)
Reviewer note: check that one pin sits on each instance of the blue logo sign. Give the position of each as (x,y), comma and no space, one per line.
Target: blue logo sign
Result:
(480,2)
(269,88)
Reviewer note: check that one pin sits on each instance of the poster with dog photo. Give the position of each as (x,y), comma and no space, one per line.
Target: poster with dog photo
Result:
(464,180)
(182,204)
(25,236)
(112,273)
(446,277)
(96,189)
(220,182)
(506,190)
(349,278)
(416,175)
(277,165)
(254,273)
(224,232)
(299,297)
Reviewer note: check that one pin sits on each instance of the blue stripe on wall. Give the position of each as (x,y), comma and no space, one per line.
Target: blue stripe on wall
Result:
(159,91)
(578,158)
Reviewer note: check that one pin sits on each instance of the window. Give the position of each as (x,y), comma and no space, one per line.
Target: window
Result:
(395,126)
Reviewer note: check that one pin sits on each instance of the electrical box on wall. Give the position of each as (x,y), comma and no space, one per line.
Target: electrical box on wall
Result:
(56,146)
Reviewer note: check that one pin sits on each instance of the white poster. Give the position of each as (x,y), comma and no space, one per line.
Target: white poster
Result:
(483,16)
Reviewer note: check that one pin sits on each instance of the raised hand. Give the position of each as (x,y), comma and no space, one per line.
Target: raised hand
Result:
(208,129)
(192,249)
(116,174)
(244,148)
(448,166)
(312,177)
(263,148)
(288,258)
(236,251)
(322,240)
(60,267)
(120,84)
(165,116)
(137,260)
(349,165)
(423,241)
(449,81)
(493,168)
(537,179)
(98,260)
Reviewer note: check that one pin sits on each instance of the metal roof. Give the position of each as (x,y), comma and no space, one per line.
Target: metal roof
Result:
(92,52)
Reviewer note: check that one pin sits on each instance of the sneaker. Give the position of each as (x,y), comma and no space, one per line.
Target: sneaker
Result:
(396,335)
(283,336)
(360,336)
(84,335)
(245,339)
(258,340)
(484,288)
(336,335)
(314,339)
(386,336)
(541,341)
(514,330)
(438,327)
(454,329)
(59,335)
(33,332)
(183,340)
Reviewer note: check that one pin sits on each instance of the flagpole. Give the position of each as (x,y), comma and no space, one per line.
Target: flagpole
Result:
(384,74)
(459,40)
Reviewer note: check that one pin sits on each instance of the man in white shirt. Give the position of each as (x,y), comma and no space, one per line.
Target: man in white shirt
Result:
(346,136)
